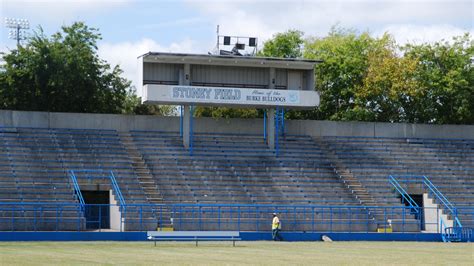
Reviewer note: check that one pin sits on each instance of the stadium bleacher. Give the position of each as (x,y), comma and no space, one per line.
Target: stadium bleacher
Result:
(225,174)
(447,162)
(33,169)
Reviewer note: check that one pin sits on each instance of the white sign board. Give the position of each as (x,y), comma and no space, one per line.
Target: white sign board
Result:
(177,94)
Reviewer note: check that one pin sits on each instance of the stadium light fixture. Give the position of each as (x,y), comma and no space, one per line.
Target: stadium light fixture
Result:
(17,29)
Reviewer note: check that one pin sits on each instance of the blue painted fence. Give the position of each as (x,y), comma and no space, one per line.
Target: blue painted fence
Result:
(142,217)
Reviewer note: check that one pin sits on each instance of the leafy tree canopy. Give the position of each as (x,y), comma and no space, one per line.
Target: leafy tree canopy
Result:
(286,45)
(62,73)
(362,78)
(445,74)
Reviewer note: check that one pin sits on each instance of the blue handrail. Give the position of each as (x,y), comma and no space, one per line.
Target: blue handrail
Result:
(110,176)
(117,189)
(77,190)
(413,205)
(447,204)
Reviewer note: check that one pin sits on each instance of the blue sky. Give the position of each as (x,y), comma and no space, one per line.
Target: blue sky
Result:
(133,27)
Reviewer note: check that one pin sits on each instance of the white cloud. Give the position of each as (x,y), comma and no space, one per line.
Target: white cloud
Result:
(416,34)
(407,20)
(265,18)
(174,23)
(58,10)
(125,53)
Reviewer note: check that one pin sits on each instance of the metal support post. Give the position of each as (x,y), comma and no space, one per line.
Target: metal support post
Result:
(265,126)
(191,130)
(181,110)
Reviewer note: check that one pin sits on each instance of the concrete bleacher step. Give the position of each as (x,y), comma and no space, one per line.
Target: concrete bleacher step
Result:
(231,168)
(40,158)
(144,176)
(375,159)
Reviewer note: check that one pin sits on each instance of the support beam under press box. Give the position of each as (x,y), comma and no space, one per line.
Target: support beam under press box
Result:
(185,79)
(186,125)
(271,128)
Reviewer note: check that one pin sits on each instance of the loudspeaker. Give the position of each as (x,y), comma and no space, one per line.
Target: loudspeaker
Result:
(226,40)
(252,42)
(240,46)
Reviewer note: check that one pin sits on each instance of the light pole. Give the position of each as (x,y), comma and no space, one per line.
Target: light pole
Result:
(17,27)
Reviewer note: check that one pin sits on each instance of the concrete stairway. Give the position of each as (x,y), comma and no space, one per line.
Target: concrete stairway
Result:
(139,166)
(353,185)
(145,178)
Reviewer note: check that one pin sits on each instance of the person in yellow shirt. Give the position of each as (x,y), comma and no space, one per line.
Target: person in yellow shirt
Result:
(276,227)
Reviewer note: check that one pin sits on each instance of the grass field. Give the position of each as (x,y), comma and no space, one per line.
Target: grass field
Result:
(245,253)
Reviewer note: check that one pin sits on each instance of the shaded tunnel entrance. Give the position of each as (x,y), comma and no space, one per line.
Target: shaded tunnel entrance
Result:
(418,199)
(97,211)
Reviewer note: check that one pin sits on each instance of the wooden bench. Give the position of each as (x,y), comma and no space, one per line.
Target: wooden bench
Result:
(194,236)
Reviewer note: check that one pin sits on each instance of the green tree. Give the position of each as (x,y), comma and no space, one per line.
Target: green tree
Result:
(285,45)
(225,112)
(389,86)
(155,109)
(445,72)
(133,105)
(345,63)
(62,73)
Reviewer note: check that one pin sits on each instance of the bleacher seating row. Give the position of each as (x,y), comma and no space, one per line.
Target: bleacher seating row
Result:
(34,164)
(223,169)
(449,164)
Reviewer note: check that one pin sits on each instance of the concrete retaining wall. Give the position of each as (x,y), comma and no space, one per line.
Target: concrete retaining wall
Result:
(248,126)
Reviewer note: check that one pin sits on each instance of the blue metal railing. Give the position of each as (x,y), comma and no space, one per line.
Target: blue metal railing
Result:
(242,217)
(106,174)
(432,189)
(458,234)
(440,197)
(279,127)
(77,189)
(117,190)
(413,205)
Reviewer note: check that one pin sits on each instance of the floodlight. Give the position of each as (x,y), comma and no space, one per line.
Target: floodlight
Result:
(17,27)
